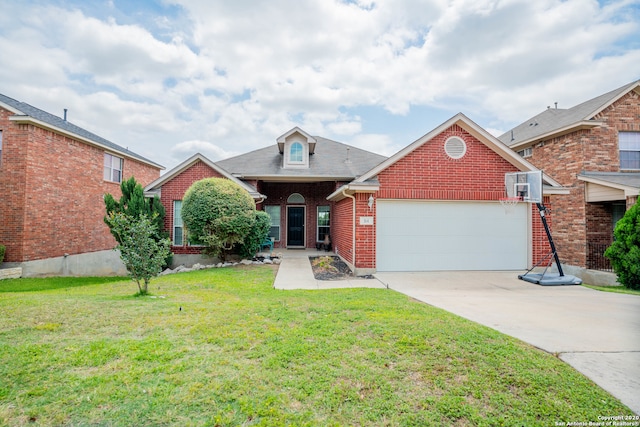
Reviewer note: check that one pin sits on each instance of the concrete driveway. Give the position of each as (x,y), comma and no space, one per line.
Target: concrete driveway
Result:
(598,333)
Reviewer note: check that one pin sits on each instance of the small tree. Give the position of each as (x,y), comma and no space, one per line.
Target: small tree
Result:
(217,213)
(624,252)
(257,234)
(142,254)
(133,203)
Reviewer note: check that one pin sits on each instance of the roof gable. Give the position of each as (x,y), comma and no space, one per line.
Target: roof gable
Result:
(472,128)
(28,113)
(556,122)
(155,186)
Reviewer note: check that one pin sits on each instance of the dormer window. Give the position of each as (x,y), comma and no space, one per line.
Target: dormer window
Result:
(296,152)
(296,147)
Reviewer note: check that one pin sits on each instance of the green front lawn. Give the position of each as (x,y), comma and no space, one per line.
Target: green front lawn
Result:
(223,348)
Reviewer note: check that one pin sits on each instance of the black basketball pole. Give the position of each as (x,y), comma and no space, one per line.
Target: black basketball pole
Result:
(542,211)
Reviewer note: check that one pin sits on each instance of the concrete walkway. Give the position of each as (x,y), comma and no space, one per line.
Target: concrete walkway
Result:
(295,273)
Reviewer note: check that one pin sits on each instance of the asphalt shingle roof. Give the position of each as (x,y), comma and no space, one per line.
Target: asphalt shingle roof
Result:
(329,161)
(621,178)
(58,122)
(554,119)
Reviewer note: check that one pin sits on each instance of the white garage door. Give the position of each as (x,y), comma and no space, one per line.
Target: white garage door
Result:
(432,236)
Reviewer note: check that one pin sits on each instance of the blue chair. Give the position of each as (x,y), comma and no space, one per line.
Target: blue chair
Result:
(267,243)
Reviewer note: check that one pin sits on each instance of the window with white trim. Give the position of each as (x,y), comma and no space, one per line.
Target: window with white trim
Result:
(112,168)
(274,214)
(629,147)
(324,222)
(527,152)
(178,228)
(296,153)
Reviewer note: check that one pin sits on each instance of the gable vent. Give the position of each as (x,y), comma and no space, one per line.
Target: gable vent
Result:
(455,147)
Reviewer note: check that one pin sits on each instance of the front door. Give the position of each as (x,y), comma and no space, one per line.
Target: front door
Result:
(295,226)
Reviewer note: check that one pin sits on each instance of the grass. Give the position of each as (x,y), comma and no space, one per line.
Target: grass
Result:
(616,289)
(223,348)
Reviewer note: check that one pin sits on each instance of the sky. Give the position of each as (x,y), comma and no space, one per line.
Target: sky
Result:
(170,78)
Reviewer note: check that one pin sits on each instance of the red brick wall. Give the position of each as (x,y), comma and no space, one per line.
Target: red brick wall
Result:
(315,194)
(56,189)
(428,173)
(539,240)
(565,157)
(174,189)
(343,229)
(13,170)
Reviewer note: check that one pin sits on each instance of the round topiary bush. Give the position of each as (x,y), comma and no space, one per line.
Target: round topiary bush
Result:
(217,213)
(624,252)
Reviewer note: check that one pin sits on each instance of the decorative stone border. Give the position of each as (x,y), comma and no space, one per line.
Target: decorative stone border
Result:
(11,273)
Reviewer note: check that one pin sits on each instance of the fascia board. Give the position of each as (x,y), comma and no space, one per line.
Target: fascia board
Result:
(574,127)
(628,190)
(351,189)
(155,185)
(634,86)
(22,119)
(478,132)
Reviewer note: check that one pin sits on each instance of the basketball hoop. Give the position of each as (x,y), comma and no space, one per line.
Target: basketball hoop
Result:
(508,203)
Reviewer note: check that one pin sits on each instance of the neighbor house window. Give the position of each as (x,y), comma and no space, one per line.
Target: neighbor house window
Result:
(324,222)
(295,153)
(112,168)
(178,228)
(274,213)
(527,152)
(629,143)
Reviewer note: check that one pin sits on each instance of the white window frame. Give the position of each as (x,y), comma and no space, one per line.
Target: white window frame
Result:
(274,222)
(109,169)
(631,142)
(177,223)
(527,152)
(298,152)
(327,209)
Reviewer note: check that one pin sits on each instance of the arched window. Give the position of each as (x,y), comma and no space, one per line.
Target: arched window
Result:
(295,152)
(295,198)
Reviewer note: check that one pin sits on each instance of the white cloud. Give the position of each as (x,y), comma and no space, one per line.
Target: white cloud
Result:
(241,73)
(208,149)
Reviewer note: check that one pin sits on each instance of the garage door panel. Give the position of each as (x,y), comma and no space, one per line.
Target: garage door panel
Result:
(427,236)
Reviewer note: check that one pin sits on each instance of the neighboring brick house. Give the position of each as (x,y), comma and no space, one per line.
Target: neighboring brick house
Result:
(592,149)
(432,206)
(53,177)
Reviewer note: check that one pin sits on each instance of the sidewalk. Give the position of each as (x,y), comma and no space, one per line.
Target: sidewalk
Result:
(295,273)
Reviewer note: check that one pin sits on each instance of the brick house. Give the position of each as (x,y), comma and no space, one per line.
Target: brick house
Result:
(53,177)
(593,150)
(432,206)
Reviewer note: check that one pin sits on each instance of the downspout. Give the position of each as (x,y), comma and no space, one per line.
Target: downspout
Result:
(344,193)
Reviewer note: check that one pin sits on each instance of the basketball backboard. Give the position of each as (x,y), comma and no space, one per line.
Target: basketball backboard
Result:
(527,186)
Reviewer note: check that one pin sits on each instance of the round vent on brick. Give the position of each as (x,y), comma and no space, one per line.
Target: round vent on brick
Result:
(455,147)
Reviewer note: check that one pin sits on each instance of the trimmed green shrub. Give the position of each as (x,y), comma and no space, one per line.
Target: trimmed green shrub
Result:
(141,253)
(624,252)
(257,234)
(217,213)
(2,250)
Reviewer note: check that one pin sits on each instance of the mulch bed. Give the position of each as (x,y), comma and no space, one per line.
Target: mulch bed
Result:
(332,268)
